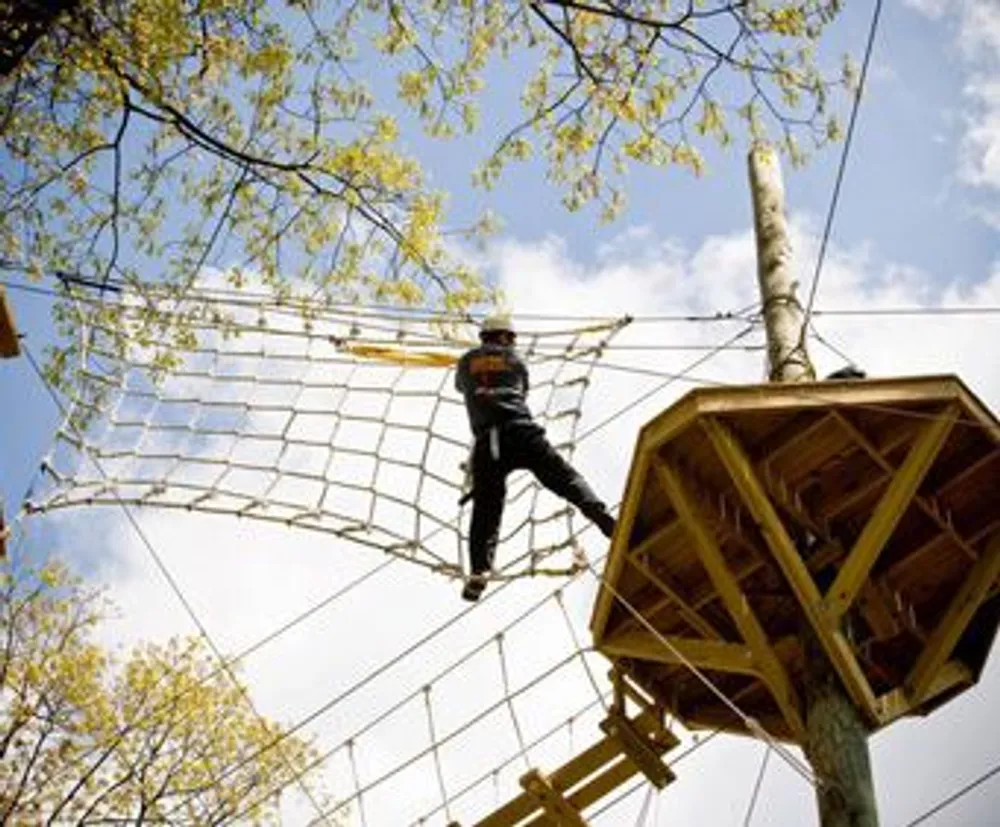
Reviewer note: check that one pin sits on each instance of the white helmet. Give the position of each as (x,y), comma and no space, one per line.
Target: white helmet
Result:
(497,323)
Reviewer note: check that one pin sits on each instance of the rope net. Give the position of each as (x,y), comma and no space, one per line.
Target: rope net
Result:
(343,421)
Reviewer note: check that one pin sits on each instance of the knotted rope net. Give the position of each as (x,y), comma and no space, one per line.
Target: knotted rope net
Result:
(342,420)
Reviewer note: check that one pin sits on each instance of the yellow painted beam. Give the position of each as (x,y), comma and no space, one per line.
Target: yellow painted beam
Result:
(557,808)
(691,617)
(9,344)
(595,789)
(620,541)
(581,766)
(640,750)
(705,654)
(888,512)
(733,598)
(897,703)
(787,557)
(949,629)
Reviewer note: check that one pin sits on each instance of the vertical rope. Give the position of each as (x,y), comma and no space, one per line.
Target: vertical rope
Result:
(357,782)
(757,785)
(522,747)
(578,647)
(435,753)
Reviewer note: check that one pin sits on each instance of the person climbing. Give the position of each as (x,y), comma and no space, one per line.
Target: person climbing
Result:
(494,383)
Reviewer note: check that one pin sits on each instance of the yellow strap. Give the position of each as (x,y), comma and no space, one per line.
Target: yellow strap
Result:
(400,356)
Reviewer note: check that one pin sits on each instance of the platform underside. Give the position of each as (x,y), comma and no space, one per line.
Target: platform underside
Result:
(867,512)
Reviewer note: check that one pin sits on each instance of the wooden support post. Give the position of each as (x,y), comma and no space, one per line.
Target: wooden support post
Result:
(786,348)
(732,596)
(9,344)
(539,787)
(887,513)
(949,629)
(836,739)
(787,556)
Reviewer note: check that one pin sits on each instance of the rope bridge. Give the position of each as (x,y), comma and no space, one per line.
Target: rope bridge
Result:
(342,421)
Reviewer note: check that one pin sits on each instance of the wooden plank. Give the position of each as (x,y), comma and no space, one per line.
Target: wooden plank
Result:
(924,505)
(569,775)
(877,612)
(595,789)
(890,392)
(705,654)
(642,752)
(620,541)
(888,513)
(896,571)
(10,346)
(690,616)
(949,629)
(719,717)
(557,808)
(733,598)
(792,442)
(791,563)
(897,703)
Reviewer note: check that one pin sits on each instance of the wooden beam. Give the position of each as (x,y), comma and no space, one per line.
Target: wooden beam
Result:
(733,598)
(595,789)
(888,513)
(631,501)
(9,344)
(791,563)
(557,808)
(878,614)
(717,717)
(690,616)
(897,571)
(642,752)
(929,508)
(705,654)
(898,703)
(590,761)
(950,627)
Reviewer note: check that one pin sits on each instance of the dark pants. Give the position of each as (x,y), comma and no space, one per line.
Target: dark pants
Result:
(522,445)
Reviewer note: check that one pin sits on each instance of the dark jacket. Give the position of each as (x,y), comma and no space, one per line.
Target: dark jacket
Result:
(494,382)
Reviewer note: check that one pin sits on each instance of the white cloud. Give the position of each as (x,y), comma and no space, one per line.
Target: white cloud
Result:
(980,147)
(244,579)
(976,25)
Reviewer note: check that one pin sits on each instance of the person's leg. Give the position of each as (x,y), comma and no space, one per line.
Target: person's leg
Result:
(489,489)
(534,452)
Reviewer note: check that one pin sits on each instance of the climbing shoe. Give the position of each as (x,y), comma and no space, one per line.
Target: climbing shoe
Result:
(474,587)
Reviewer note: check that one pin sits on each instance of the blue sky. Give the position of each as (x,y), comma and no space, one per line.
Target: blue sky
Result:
(918,223)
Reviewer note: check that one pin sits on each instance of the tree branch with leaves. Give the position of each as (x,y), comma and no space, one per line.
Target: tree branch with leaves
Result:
(86,738)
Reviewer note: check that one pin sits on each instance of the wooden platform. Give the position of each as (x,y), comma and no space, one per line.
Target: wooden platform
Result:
(867,509)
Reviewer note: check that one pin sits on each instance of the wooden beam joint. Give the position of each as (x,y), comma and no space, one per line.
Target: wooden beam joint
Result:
(957,617)
(733,597)
(644,754)
(888,512)
(789,560)
(537,785)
